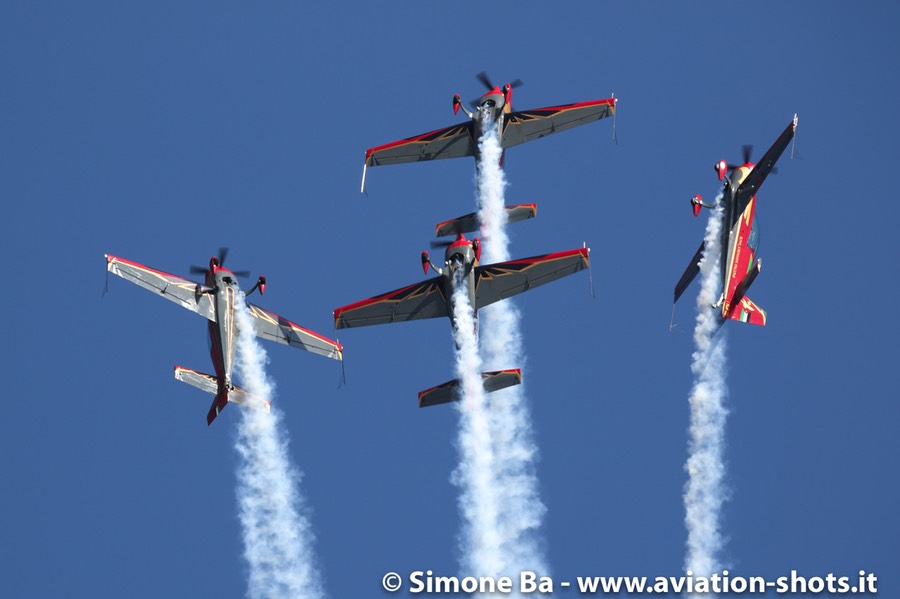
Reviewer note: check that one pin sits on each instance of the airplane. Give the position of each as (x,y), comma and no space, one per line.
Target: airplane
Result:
(739,236)
(215,299)
(495,106)
(485,285)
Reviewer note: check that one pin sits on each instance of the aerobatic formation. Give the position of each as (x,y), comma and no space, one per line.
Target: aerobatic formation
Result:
(462,285)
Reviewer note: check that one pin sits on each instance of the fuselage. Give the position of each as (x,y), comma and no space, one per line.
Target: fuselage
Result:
(460,261)
(491,110)
(739,241)
(223,331)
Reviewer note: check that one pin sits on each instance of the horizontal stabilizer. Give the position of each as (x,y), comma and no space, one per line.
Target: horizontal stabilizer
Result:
(469,222)
(201,380)
(492,381)
(747,311)
(209,384)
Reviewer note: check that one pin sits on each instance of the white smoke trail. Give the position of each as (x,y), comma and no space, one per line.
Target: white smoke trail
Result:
(515,450)
(490,189)
(478,499)
(705,491)
(277,537)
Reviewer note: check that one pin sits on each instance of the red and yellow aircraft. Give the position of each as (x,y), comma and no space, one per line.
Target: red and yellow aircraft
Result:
(493,107)
(739,236)
(215,300)
(485,285)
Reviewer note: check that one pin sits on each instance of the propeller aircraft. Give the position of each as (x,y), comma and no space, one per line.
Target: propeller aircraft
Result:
(494,107)
(485,285)
(215,299)
(739,236)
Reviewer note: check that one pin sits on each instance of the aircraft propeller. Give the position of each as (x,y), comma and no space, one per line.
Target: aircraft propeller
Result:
(486,81)
(218,260)
(746,155)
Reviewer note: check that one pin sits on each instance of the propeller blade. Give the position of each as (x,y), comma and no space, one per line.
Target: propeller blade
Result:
(485,80)
(198,270)
(516,83)
(440,243)
(747,150)
(241,273)
(223,253)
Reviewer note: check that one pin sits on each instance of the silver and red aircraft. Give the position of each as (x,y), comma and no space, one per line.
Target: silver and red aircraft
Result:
(739,236)
(215,300)
(485,285)
(494,107)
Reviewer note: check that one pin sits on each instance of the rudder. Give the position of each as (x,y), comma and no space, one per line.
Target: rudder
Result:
(748,311)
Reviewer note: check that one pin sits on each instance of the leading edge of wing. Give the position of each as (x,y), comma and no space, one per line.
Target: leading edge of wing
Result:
(450,142)
(272,327)
(762,169)
(413,302)
(525,125)
(174,288)
(496,282)
(690,273)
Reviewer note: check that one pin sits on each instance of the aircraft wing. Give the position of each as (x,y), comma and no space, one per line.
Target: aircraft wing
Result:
(415,302)
(755,179)
(273,327)
(495,282)
(527,125)
(690,273)
(181,291)
(450,142)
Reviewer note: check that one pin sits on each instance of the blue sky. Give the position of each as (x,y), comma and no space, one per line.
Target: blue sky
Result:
(162,131)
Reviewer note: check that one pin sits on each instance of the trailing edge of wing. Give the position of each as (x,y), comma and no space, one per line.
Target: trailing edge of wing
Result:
(533,124)
(495,282)
(273,327)
(175,289)
(690,273)
(450,142)
(414,302)
(755,179)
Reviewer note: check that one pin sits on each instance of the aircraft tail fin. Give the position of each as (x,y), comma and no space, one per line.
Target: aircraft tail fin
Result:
(218,404)
(743,308)
(210,384)
(492,381)
(748,311)
(744,285)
